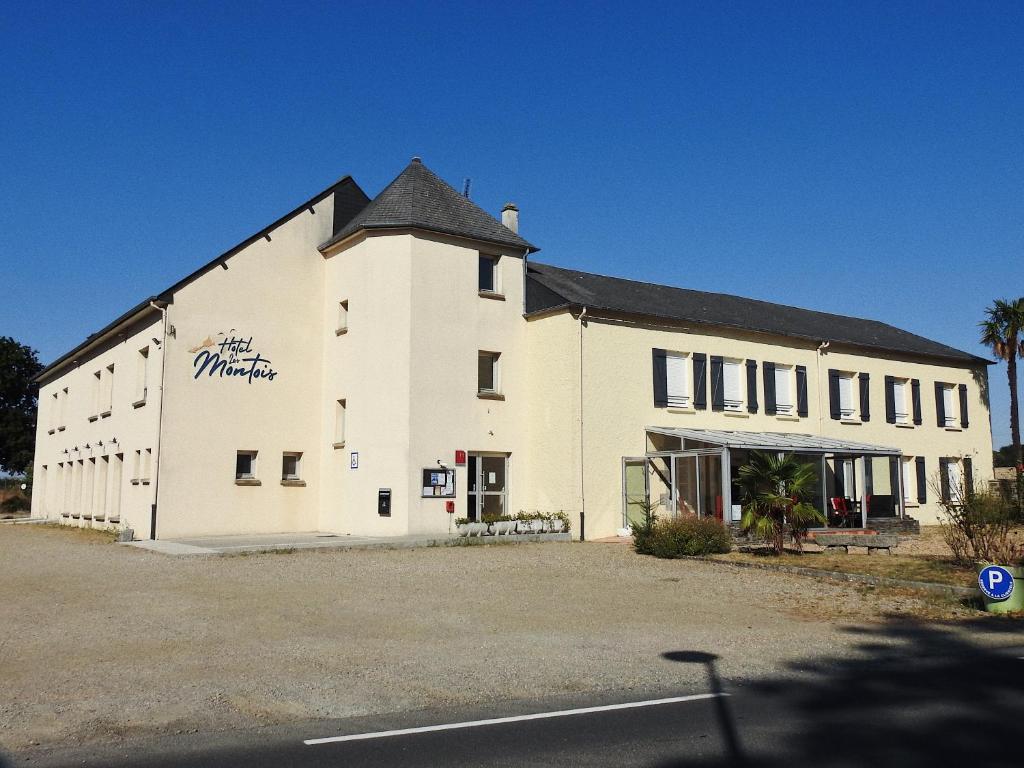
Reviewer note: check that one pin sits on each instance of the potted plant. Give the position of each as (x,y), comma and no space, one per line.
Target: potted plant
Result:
(529,522)
(503,524)
(462,526)
(558,522)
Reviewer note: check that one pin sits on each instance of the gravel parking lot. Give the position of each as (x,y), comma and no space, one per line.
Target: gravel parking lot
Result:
(100,642)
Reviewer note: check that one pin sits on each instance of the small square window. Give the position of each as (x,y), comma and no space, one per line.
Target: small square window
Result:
(488,274)
(291,464)
(487,372)
(245,465)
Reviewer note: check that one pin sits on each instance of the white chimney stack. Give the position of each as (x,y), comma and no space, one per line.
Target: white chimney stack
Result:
(510,217)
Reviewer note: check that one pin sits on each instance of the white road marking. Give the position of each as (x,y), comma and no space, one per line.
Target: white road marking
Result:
(513,719)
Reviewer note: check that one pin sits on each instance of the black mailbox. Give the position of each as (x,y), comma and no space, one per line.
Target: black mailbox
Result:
(384,502)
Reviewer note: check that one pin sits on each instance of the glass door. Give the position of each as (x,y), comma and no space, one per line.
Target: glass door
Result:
(488,486)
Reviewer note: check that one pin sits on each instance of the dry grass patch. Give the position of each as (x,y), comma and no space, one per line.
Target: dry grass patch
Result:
(930,568)
(84,535)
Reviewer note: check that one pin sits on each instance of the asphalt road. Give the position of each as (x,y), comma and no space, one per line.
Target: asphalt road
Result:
(951,703)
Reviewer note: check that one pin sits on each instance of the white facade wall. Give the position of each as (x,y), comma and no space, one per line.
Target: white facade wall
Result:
(97,438)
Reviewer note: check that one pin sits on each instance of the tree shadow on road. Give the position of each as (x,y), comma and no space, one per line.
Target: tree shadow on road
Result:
(907,694)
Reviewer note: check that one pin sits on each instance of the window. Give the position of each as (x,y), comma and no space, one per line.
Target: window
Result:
(245,465)
(97,394)
(953,490)
(847,407)
(147,462)
(107,402)
(733,384)
(489,274)
(677,379)
(487,372)
(141,377)
(948,411)
(136,468)
(62,411)
(900,401)
(339,424)
(342,318)
(783,390)
(54,408)
(290,466)
(908,476)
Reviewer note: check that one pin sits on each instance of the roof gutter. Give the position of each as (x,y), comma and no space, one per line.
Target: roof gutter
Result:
(104,334)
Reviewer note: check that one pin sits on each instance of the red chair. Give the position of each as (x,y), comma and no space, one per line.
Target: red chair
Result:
(842,511)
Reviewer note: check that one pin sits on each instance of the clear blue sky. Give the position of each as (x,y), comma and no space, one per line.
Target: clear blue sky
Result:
(858,158)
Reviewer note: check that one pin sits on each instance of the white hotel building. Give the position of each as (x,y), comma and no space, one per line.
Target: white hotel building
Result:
(327,372)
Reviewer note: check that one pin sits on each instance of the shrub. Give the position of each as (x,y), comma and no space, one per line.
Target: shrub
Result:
(15,504)
(681,537)
(977,526)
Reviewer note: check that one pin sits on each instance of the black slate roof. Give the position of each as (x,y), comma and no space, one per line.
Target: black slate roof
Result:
(420,198)
(550,287)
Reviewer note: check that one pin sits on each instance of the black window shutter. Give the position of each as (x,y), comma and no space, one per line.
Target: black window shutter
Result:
(944,479)
(940,404)
(894,481)
(915,393)
(717,384)
(833,393)
(890,400)
(801,390)
(840,478)
(963,406)
(968,476)
(769,387)
(752,387)
(865,397)
(922,480)
(660,378)
(700,381)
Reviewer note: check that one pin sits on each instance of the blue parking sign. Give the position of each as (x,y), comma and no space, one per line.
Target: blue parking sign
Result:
(996,582)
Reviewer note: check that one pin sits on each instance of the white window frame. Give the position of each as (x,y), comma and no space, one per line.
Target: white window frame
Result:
(901,390)
(253,465)
(494,260)
(342,318)
(950,407)
(141,377)
(340,421)
(733,404)
(908,469)
(848,411)
(297,475)
(784,380)
(495,358)
(954,479)
(677,380)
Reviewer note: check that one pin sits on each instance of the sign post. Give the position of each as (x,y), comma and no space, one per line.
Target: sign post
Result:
(997,585)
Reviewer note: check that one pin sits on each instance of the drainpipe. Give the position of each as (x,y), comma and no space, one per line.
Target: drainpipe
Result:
(160,419)
(583,503)
(818,390)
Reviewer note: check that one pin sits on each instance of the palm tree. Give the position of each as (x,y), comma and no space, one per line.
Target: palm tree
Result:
(1003,332)
(775,492)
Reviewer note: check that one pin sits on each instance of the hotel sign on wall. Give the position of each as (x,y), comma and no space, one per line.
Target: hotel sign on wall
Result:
(232,357)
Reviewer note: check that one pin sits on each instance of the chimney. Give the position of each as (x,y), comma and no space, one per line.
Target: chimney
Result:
(510,217)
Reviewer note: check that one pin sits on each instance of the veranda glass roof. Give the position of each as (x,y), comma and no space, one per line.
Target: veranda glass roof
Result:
(776,441)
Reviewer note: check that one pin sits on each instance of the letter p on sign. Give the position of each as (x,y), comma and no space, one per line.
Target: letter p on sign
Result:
(996,582)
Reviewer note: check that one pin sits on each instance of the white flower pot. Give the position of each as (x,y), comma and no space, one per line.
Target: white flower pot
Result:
(463,529)
(476,529)
(503,527)
(556,526)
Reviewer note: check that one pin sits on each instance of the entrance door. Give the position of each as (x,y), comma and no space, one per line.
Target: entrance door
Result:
(488,483)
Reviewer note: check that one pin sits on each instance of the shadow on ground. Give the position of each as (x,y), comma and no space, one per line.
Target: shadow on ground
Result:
(908,695)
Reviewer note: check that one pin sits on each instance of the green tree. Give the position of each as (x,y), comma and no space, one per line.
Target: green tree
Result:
(1004,457)
(775,491)
(1002,331)
(18,366)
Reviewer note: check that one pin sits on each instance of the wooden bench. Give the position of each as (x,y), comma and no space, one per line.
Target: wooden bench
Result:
(871,541)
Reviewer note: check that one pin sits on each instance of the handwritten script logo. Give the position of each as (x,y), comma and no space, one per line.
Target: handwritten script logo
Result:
(233,357)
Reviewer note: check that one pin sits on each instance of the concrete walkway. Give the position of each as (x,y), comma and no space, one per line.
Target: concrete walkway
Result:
(287,542)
